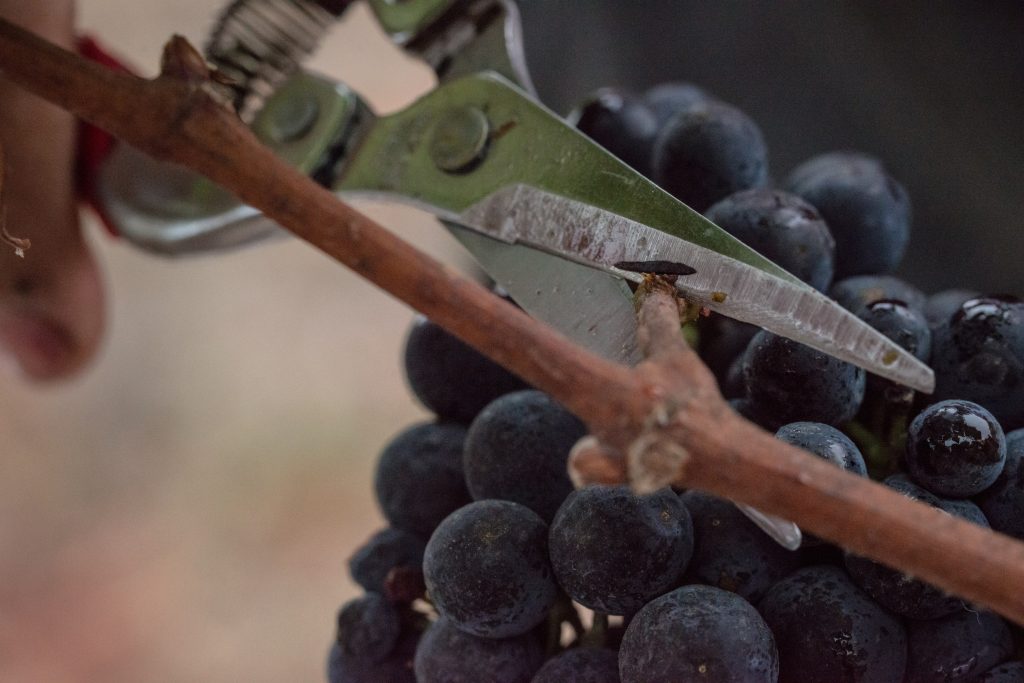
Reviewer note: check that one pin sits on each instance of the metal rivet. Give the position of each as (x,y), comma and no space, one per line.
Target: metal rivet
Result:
(292,117)
(459,139)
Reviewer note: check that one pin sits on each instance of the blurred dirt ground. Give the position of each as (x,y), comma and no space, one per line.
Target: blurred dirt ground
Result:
(184,510)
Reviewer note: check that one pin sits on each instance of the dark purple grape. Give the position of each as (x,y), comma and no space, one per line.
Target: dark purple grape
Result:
(941,306)
(396,667)
(386,550)
(698,633)
(867,211)
(517,449)
(613,551)
(978,355)
(856,293)
(828,631)
(449,377)
(368,627)
(621,123)
(902,324)
(487,571)
(1010,672)
(828,443)
(896,591)
(825,442)
(956,648)
(781,227)
(707,152)
(731,552)
(419,478)
(668,99)
(449,655)
(1003,502)
(581,665)
(955,449)
(787,381)
(722,341)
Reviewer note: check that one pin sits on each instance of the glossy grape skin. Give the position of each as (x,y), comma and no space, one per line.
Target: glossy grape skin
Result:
(698,633)
(826,442)
(894,590)
(789,382)
(396,667)
(386,550)
(956,648)
(940,307)
(450,378)
(707,152)
(783,228)
(1010,672)
(856,293)
(902,324)
(581,665)
(487,571)
(517,448)
(827,630)
(668,99)
(867,211)
(368,627)
(1003,502)
(955,449)
(978,355)
(448,655)
(613,551)
(419,478)
(731,552)
(621,123)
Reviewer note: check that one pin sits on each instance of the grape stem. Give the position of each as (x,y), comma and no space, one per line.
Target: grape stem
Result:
(662,422)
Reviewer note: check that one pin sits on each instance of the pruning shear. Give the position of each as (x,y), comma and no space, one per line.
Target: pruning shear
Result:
(557,221)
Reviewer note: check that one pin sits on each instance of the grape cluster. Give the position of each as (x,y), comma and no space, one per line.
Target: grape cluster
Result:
(493,569)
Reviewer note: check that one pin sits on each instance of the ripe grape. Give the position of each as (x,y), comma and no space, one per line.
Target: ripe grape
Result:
(613,550)
(781,227)
(1003,502)
(978,355)
(621,123)
(902,324)
(368,627)
(787,381)
(956,648)
(955,449)
(707,152)
(668,99)
(516,449)
(731,552)
(449,377)
(941,306)
(894,590)
(827,630)
(396,667)
(856,293)
(487,570)
(419,478)
(698,633)
(449,655)
(867,211)
(826,442)
(386,550)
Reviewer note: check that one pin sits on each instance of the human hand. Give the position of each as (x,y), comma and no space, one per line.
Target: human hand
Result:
(52,297)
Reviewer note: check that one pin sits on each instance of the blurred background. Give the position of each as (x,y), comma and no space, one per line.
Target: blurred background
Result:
(185,509)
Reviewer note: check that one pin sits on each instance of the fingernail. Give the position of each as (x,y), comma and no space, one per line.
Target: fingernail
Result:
(41,348)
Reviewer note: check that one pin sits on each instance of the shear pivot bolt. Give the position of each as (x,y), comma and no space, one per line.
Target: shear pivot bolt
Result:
(291,118)
(459,139)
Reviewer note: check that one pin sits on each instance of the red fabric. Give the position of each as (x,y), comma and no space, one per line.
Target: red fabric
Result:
(94,144)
